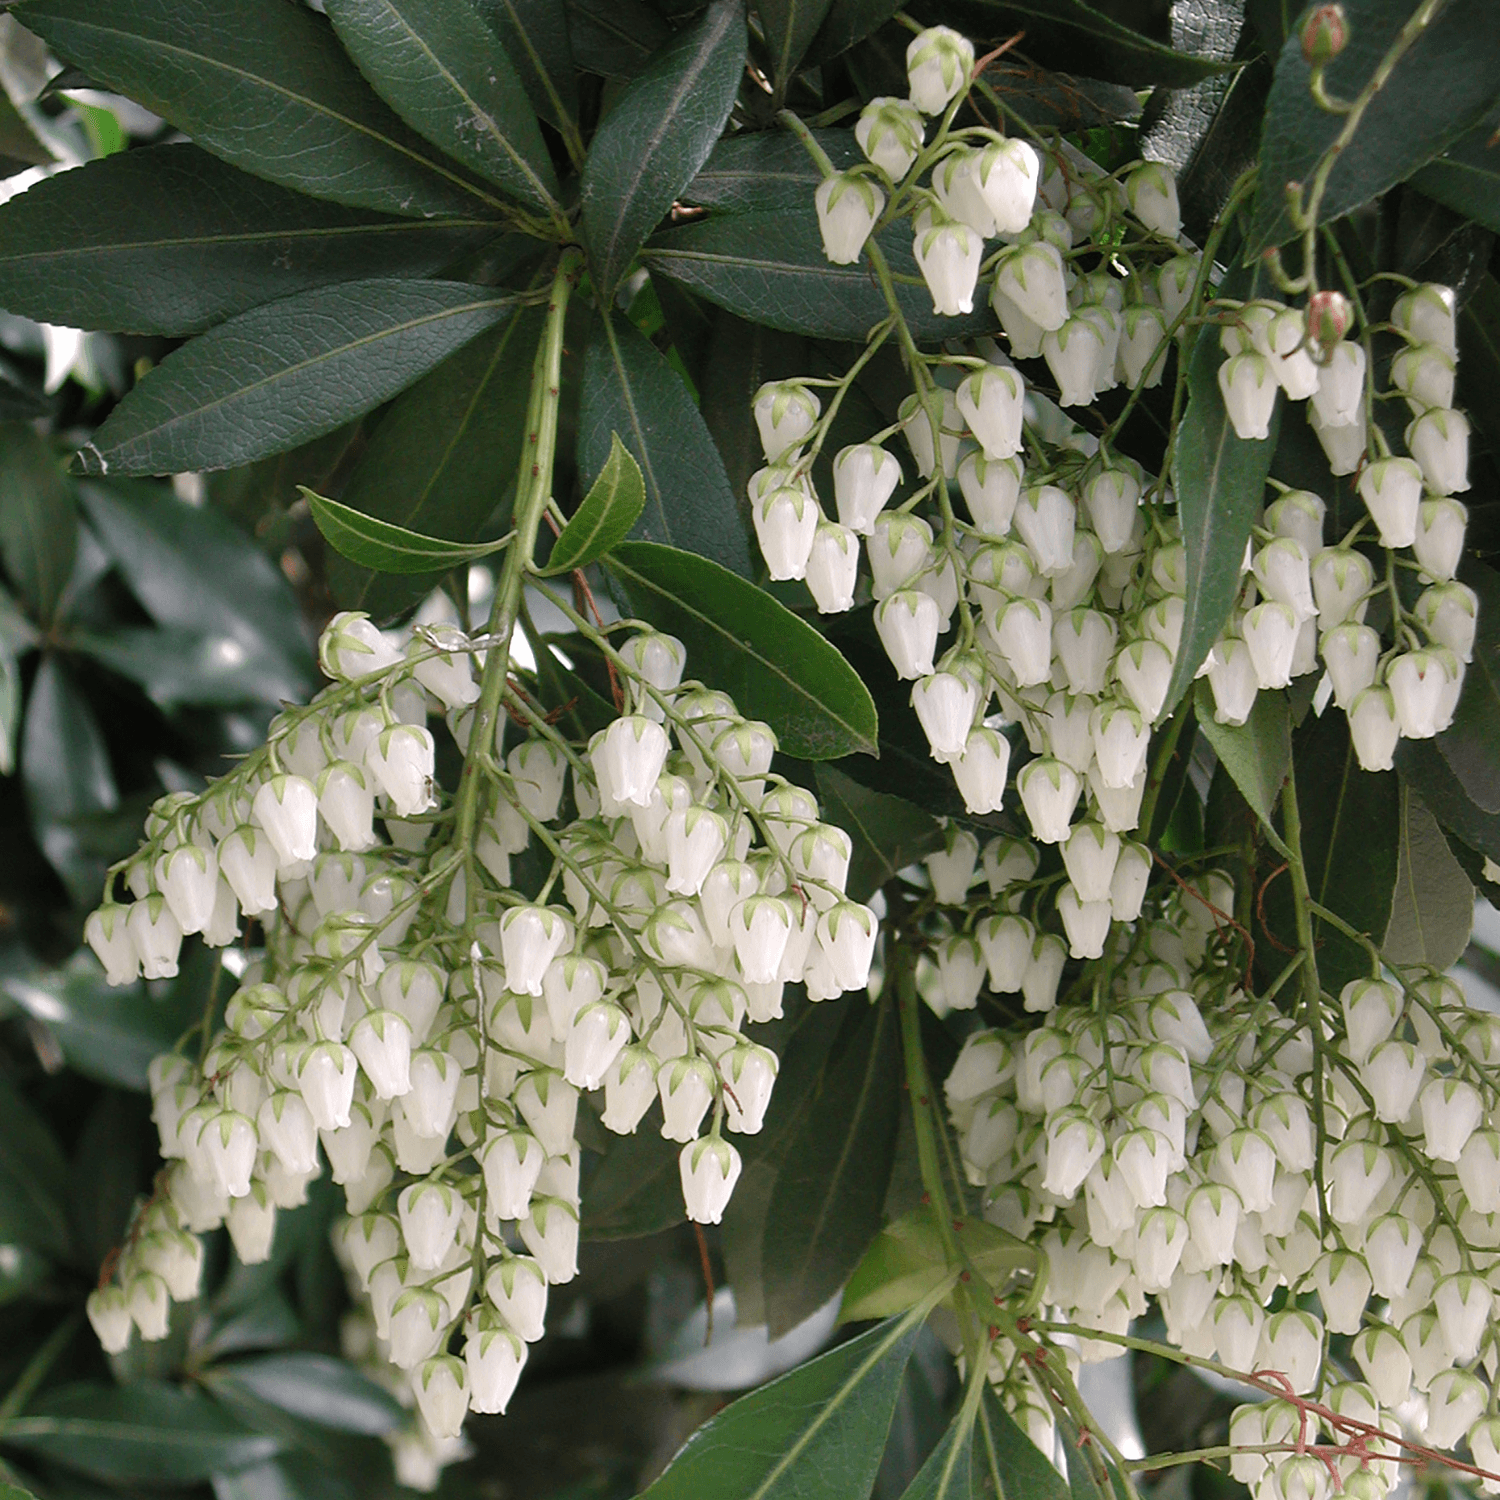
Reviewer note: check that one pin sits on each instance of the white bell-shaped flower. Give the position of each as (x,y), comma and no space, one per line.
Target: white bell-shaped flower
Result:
(1439,539)
(401,760)
(865,476)
(156,936)
(1232,679)
(848,204)
(1006,940)
(991,488)
(494,1357)
(1045,518)
(1023,634)
(1076,355)
(511,1161)
(325,1078)
(685,1086)
(418,1319)
(1339,398)
(1144,670)
(1341,582)
(1111,498)
(1023,335)
(832,568)
(1049,792)
(846,935)
(1007,174)
(938,63)
(1270,634)
(530,938)
(786,525)
(786,411)
(1419,682)
(599,1032)
(351,647)
(992,401)
(629,1090)
(1031,278)
(1151,191)
(899,548)
(1044,973)
(710,1167)
(1424,374)
(1357,1171)
(1373,726)
(1121,738)
(627,759)
(1452,1110)
(956,185)
(948,254)
(1141,360)
(1455,1401)
(1439,441)
(549,1106)
(107,932)
(1430,313)
(889,132)
(1392,491)
(981,769)
(1291,357)
(1351,654)
(1463,1303)
(286,807)
(1090,853)
(1085,922)
(1249,388)
(188,877)
(908,623)
(285,1127)
(226,1148)
(945,705)
(381,1041)
(1127,886)
(108,1310)
(430,1213)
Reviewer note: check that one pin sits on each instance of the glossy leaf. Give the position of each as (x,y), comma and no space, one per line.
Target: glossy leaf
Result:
(317,1389)
(656,136)
(177,666)
(1219,479)
(10,710)
(1092,41)
(193,571)
(907,1261)
(264,85)
(614,38)
(144,1432)
(66,775)
(1466,177)
(1471,744)
(774,665)
(636,1189)
(377,544)
(767,169)
(612,506)
(1004,1449)
(888,832)
(1257,753)
(534,34)
(1432,912)
(814,1434)
(826,1204)
(630,389)
(848,22)
(789,27)
(950,1472)
(441,458)
(1423,766)
(108,1033)
(32,1176)
(1441,87)
(169,239)
(768,265)
(38,519)
(283,373)
(438,65)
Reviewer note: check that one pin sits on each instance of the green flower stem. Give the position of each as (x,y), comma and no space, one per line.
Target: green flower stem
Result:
(1166,749)
(533,490)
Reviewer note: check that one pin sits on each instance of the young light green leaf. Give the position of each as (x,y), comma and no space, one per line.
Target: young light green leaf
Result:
(168,240)
(287,371)
(264,85)
(612,506)
(1256,753)
(1444,84)
(774,665)
(815,1434)
(656,136)
(438,65)
(629,389)
(1219,478)
(1432,912)
(377,544)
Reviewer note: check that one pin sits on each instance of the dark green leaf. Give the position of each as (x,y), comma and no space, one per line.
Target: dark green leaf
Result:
(66,775)
(18,143)
(145,1432)
(630,389)
(612,506)
(766,169)
(438,65)
(10,710)
(1432,912)
(317,1389)
(789,27)
(658,134)
(111,1034)
(1219,479)
(267,1323)
(112,1158)
(283,373)
(1471,744)
(888,832)
(194,571)
(442,457)
(1063,101)
(950,1472)
(1442,86)
(264,85)
(1090,1474)
(1350,845)
(1256,753)
(768,265)
(33,1174)
(1004,1451)
(1420,763)
(1466,177)
(22,1271)
(176,665)
(847,22)
(614,38)
(774,665)
(815,1434)
(636,1189)
(1091,41)
(535,36)
(169,240)
(826,1205)
(377,544)
(38,520)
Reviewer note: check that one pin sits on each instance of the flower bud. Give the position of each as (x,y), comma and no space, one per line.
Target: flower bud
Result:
(1325,33)
(1330,315)
(848,204)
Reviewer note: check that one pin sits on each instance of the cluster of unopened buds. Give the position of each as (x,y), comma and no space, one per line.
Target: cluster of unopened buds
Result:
(434,1029)
(1190,1145)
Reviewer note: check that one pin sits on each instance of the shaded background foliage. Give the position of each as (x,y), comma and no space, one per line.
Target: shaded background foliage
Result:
(295,272)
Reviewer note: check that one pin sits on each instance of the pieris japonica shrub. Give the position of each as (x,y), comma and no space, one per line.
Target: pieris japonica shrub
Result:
(907,652)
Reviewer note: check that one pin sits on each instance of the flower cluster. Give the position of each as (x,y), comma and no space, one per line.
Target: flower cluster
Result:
(432,1027)
(1181,1142)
